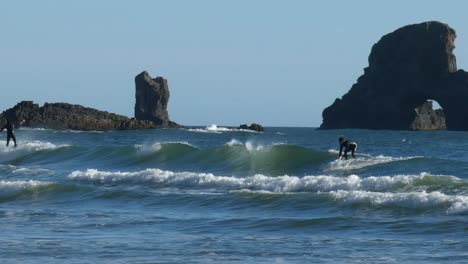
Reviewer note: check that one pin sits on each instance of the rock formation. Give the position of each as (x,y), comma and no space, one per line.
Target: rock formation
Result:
(428,118)
(254,127)
(152,96)
(406,68)
(68,116)
(150,112)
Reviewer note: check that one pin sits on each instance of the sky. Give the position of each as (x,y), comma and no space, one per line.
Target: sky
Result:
(276,63)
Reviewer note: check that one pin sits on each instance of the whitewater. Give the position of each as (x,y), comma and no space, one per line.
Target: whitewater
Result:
(223,195)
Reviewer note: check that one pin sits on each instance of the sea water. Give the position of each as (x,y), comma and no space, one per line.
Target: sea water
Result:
(219,195)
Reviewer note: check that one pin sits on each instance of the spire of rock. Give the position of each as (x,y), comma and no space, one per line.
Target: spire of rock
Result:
(152,96)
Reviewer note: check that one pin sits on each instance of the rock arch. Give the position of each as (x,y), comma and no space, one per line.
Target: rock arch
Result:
(406,68)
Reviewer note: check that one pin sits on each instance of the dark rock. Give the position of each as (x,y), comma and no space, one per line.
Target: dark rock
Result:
(428,118)
(68,116)
(152,96)
(254,127)
(406,68)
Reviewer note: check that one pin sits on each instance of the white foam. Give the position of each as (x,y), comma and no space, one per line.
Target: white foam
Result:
(363,161)
(321,183)
(31,171)
(155,147)
(251,146)
(83,131)
(201,130)
(399,190)
(423,199)
(351,189)
(33,128)
(233,142)
(148,148)
(29,146)
(12,187)
(219,129)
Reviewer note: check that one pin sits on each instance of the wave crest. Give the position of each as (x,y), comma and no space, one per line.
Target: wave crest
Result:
(8,188)
(363,161)
(402,190)
(414,200)
(286,183)
(219,129)
(30,146)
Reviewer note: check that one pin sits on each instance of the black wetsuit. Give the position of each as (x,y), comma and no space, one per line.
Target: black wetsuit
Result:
(10,135)
(348,146)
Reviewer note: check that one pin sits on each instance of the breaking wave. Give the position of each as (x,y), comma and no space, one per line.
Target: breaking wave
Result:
(219,129)
(30,146)
(362,161)
(408,191)
(9,188)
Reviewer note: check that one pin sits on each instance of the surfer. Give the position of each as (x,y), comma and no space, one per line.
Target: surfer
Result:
(348,146)
(10,134)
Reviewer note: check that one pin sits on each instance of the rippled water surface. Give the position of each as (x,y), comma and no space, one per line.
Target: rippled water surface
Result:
(216,195)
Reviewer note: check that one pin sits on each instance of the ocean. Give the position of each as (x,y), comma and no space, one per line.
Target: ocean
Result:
(220,195)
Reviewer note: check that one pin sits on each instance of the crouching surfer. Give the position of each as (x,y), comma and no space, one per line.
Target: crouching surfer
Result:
(347,146)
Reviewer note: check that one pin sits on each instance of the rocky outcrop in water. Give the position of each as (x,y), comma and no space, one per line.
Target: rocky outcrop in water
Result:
(152,96)
(254,127)
(428,119)
(68,116)
(406,68)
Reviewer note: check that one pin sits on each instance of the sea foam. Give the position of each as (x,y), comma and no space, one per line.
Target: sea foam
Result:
(219,129)
(416,200)
(363,161)
(11,187)
(286,183)
(155,147)
(251,146)
(407,190)
(30,146)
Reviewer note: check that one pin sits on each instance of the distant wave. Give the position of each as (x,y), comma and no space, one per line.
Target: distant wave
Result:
(219,129)
(34,128)
(402,190)
(29,171)
(281,184)
(416,200)
(277,158)
(8,188)
(274,158)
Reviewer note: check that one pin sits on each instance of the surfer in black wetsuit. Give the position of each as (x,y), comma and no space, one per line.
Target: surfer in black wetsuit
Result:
(10,134)
(348,146)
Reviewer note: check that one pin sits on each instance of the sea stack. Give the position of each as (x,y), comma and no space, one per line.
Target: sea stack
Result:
(152,96)
(407,68)
(428,119)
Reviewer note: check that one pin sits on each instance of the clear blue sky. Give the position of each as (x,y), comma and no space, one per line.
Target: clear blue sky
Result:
(278,63)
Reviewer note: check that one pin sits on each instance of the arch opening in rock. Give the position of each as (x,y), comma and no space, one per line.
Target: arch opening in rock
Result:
(429,116)
(435,104)
(407,68)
